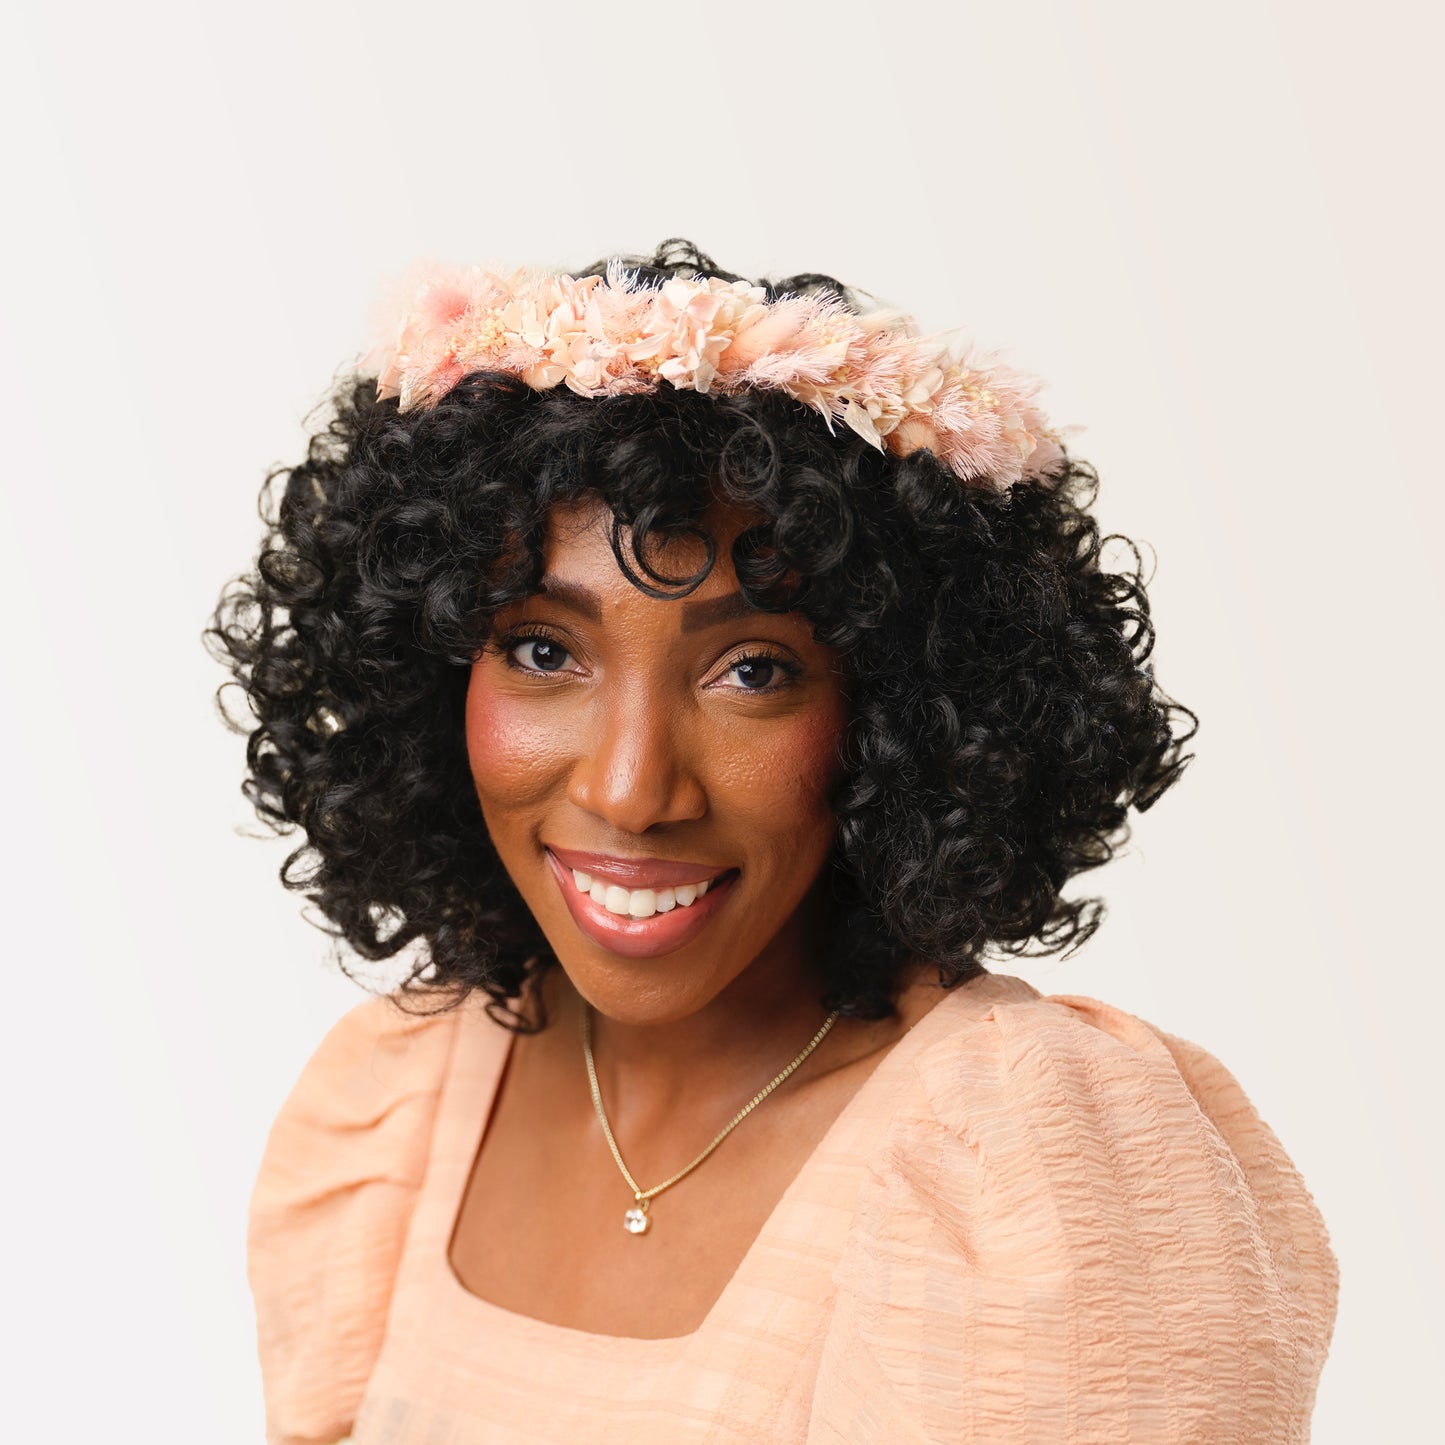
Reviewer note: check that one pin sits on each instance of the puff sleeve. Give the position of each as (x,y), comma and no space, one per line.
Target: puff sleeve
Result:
(329,1211)
(1082,1232)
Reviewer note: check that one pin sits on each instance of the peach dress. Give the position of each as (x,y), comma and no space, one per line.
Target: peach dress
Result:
(1040,1219)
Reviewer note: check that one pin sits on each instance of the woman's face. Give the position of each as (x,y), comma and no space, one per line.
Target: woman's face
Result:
(629,750)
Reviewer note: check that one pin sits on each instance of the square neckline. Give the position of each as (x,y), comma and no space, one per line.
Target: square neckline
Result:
(473,1084)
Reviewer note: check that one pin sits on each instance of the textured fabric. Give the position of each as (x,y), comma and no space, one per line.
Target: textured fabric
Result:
(1040,1219)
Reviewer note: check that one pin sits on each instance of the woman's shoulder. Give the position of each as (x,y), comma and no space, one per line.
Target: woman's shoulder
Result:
(340,1172)
(1103,1215)
(355,1112)
(1069,1085)
(1092,1112)
(1000,1034)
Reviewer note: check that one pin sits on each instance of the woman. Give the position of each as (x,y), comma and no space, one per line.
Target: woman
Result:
(701,677)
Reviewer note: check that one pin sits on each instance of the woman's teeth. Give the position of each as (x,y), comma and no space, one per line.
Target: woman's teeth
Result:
(638,902)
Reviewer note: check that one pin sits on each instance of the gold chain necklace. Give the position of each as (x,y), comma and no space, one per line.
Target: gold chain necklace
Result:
(636,1221)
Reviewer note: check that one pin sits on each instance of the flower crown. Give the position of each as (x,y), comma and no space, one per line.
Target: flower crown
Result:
(617,334)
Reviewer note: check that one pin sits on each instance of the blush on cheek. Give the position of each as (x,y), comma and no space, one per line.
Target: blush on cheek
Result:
(487,729)
(785,786)
(511,755)
(812,752)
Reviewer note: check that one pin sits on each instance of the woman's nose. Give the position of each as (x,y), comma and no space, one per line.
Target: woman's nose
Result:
(639,771)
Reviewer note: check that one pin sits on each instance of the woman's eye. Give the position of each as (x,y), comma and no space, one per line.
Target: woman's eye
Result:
(761,673)
(758,672)
(537,654)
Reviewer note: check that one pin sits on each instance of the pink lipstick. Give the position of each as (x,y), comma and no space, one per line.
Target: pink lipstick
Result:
(674,924)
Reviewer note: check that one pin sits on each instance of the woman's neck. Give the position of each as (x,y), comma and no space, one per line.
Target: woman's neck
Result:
(728,1049)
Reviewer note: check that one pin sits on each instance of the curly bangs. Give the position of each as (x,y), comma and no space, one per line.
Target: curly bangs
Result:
(1004,715)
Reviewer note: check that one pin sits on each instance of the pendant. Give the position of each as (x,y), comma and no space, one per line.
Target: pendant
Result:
(635,1221)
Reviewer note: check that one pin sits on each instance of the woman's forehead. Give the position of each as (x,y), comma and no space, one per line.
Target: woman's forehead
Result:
(581,575)
(698,610)
(578,555)
(586,523)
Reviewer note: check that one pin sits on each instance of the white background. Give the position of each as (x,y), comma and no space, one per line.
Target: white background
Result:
(1212,228)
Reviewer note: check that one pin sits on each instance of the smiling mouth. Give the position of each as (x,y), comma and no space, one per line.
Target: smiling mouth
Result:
(640,922)
(644,902)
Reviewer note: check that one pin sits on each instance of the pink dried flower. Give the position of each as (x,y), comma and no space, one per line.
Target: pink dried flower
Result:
(613,334)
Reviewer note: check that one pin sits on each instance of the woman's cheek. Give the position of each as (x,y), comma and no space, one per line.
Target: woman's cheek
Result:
(513,745)
(784,776)
(819,743)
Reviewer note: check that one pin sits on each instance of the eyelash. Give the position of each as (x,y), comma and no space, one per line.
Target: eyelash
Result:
(785,665)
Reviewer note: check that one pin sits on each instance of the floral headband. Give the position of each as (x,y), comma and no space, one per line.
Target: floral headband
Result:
(613,335)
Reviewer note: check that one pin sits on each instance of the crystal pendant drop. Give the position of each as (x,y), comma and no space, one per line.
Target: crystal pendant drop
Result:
(635,1221)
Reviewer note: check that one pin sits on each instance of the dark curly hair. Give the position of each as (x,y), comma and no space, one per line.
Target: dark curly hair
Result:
(1003,713)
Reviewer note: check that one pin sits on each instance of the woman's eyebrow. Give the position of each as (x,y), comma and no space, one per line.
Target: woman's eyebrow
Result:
(709,611)
(696,614)
(574,598)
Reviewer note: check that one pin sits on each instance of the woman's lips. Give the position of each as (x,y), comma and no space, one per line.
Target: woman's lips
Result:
(635,872)
(637,937)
